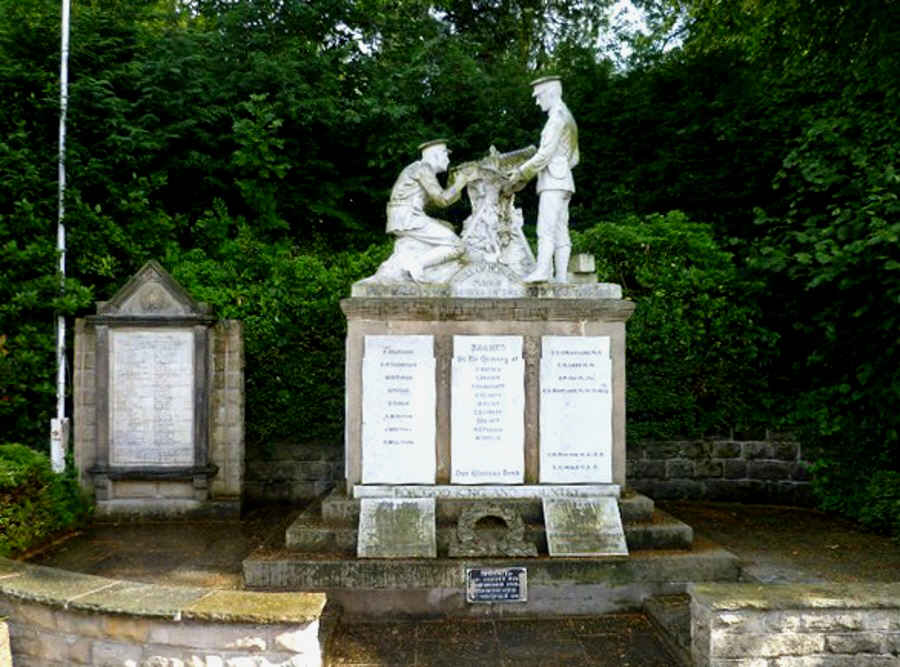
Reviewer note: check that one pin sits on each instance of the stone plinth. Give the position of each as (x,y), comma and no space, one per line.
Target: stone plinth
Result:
(158,398)
(570,311)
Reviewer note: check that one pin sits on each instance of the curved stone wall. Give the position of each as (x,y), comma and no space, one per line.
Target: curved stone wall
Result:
(56,618)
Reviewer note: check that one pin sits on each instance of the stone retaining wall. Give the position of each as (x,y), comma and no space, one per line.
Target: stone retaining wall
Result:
(58,618)
(285,471)
(797,625)
(769,470)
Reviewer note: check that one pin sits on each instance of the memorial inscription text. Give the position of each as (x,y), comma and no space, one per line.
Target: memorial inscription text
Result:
(398,425)
(576,410)
(151,390)
(487,413)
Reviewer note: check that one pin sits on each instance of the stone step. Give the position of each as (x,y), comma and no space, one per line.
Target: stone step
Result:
(661,531)
(339,510)
(556,586)
(671,616)
(310,533)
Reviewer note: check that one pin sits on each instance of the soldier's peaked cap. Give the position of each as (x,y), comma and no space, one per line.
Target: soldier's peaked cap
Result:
(545,79)
(433,142)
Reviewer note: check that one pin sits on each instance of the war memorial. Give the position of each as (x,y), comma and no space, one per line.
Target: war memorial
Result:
(484,457)
(485,415)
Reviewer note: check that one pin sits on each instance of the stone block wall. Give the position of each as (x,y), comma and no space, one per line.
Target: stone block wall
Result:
(226,405)
(769,470)
(58,618)
(84,398)
(806,625)
(287,472)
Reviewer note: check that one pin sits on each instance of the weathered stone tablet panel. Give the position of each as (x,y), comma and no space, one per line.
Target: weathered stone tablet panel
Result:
(152,397)
(397,528)
(398,421)
(584,527)
(487,426)
(576,410)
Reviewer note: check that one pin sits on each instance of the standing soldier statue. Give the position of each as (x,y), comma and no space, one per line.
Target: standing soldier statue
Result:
(553,163)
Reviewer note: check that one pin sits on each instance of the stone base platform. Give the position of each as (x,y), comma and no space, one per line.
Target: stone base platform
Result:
(320,555)
(168,509)
(436,587)
(331,526)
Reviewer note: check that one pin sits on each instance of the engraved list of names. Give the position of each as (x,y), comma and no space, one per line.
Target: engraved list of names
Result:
(398,406)
(487,426)
(151,397)
(576,410)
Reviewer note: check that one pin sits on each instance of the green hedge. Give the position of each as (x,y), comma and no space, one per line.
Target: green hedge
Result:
(697,353)
(35,502)
(289,302)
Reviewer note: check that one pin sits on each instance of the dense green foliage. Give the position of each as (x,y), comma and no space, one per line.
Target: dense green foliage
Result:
(250,146)
(35,502)
(293,328)
(697,352)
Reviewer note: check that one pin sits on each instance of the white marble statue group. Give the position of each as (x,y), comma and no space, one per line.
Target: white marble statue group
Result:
(428,250)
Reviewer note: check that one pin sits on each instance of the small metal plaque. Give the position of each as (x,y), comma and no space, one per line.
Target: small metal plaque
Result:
(504,584)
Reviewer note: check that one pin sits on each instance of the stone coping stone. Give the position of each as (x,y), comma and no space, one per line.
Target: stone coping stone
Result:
(86,592)
(133,598)
(52,586)
(486,491)
(742,597)
(467,309)
(256,607)
(366,288)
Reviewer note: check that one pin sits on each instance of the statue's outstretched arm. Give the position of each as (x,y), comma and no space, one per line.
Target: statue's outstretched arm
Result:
(550,138)
(436,194)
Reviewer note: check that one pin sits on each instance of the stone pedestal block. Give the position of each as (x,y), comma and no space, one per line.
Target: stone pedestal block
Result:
(534,319)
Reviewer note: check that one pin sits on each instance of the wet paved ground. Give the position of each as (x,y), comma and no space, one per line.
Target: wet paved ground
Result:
(777,544)
(621,640)
(187,553)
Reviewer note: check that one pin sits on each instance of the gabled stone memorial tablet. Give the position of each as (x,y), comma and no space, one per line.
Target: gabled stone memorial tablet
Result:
(576,410)
(398,410)
(487,424)
(584,527)
(395,528)
(158,402)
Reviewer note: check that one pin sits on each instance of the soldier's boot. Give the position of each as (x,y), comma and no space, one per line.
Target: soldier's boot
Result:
(561,260)
(541,273)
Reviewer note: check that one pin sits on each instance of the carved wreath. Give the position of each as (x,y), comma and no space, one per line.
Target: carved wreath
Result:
(511,543)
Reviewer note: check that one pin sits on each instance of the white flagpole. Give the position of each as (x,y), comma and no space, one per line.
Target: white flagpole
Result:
(59,427)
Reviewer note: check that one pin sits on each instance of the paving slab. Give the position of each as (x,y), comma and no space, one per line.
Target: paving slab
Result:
(781,543)
(627,640)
